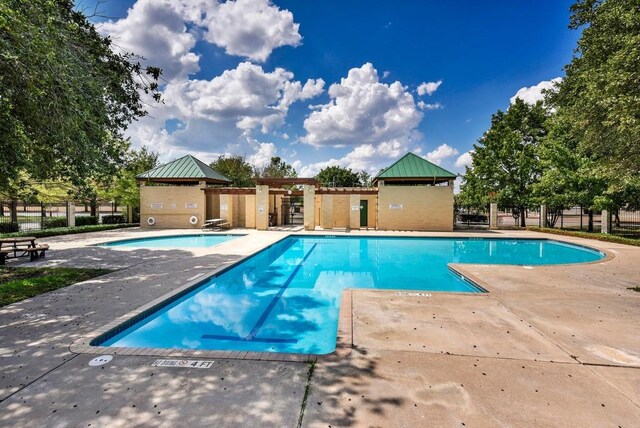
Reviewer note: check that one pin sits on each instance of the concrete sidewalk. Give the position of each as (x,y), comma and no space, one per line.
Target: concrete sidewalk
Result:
(547,346)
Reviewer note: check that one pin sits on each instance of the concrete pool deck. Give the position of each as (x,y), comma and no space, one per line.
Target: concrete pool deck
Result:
(547,346)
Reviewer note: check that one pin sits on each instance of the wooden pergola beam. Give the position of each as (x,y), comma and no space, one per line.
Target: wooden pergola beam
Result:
(279,182)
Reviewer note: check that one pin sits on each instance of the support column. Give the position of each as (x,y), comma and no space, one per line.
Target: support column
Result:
(71,214)
(262,207)
(354,212)
(309,201)
(493,216)
(543,216)
(605,222)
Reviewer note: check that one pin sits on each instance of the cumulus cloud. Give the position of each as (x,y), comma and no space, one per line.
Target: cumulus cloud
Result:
(442,152)
(246,95)
(365,157)
(251,28)
(263,154)
(533,94)
(424,106)
(428,88)
(164,32)
(156,30)
(464,159)
(362,110)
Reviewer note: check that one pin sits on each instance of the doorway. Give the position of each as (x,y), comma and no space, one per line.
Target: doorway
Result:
(292,210)
(364,213)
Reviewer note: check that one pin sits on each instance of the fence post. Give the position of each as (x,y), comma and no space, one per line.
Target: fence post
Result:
(493,216)
(605,222)
(43,214)
(543,216)
(71,214)
(129,214)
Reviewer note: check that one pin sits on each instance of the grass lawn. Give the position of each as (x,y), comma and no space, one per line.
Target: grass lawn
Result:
(21,283)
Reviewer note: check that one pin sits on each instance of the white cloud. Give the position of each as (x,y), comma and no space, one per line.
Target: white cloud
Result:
(533,94)
(262,156)
(251,28)
(365,157)
(362,111)
(386,74)
(428,88)
(164,32)
(442,152)
(424,106)
(247,95)
(155,29)
(464,159)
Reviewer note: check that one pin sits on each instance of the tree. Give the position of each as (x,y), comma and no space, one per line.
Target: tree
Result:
(236,169)
(505,161)
(570,176)
(277,168)
(124,189)
(365,179)
(65,96)
(337,176)
(600,94)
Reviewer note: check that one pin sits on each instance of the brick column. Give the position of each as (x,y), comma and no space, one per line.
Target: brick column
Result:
(605,222)
(262,207)
(309,202)
(543,216)
(493,216)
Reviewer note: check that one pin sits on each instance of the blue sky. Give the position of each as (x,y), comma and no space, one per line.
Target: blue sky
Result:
(356,83)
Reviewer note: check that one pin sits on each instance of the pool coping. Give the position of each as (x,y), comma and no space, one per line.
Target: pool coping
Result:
(106,243)
(344,341)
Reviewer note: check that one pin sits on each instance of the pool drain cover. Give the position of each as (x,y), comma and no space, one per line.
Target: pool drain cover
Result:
(101,360)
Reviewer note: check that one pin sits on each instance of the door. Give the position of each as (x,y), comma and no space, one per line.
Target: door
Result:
(364,213)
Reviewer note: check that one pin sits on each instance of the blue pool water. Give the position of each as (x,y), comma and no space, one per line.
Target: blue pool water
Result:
(174,242)
(287,297)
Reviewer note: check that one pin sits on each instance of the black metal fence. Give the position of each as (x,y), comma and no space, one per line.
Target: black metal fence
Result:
(626,223)
(18,216)
(24,216)
(470,218)
(578,218)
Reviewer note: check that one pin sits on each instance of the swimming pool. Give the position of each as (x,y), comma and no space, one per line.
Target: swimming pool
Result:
(173,242)
(286,298)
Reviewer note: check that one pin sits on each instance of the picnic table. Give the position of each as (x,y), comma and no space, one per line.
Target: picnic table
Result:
(215,223)
(21,247)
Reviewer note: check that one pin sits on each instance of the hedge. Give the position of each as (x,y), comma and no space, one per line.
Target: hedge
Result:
(9,227)
(113,219)
(54,222)
(67,230)
(86,220)
(588,235)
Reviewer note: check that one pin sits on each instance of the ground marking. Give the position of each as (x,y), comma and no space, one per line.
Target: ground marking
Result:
(399,293)
(190,364)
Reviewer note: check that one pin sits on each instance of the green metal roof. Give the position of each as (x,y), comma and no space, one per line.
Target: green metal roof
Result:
(413,166)
(184,168)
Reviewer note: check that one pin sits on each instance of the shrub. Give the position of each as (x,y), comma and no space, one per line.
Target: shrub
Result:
(113,219)
(9,227)
(54,222)
(66,230)
(86,220)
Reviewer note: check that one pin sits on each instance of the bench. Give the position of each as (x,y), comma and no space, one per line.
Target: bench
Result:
(37,251)
(34,252)
(215,224)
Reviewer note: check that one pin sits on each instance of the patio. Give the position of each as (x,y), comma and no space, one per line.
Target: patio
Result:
(546,346)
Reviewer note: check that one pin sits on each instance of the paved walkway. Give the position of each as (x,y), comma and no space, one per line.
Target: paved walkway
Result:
(548,346)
